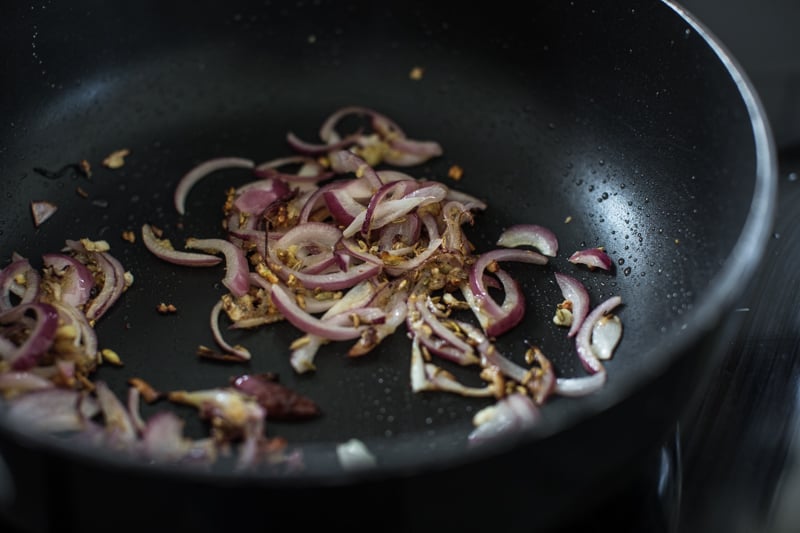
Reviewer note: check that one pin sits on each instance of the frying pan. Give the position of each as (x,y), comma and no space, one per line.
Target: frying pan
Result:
(629,119)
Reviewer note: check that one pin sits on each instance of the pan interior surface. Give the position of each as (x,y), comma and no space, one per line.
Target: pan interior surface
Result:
(616,127)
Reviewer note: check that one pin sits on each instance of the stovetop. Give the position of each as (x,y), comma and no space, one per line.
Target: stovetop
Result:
(733,463)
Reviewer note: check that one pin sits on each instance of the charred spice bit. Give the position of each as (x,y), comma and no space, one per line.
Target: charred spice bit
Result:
(129,236)
(166,309)
(145,389)
(81,192)
(416,73)
(455,172)
(207,353)
(279,401)
(116,159)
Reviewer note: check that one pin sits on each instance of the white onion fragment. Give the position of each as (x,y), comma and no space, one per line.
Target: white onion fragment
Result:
(606,334)
(354,455)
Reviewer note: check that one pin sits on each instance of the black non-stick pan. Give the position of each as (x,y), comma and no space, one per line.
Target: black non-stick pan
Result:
(623,125)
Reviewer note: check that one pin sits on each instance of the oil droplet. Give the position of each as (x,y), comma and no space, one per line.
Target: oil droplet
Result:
(621,261)
(627,271)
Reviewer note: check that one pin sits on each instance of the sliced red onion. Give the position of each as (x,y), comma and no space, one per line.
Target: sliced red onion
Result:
(334,281)
(470,202)
(308,148)
(439,347)
(15,382)
(134,411)
(310,305)
(474,304)
(484,299)
(398,268)
(304,321)
(311,234)
(254,198)
(112,288)
(583,340)
(190,179)
(514,413)
(301,178)
(463,348)
(580,386)
(539,381)
(86,334)
(395,312)
(76,279)
(606,334)
(433,192)
(316,202)
(239,352)
(9,284)
(539,237)
(162,438)
(444,350)
(390,191)
(50,410)
(387,212)
(592,258)
(388,175)
(342,205)
(344,162)
(232,413)
(574,291)
(512,310)
(327,131)
(352,248)
(303,354)
(306,162)
(408,152)
(441,380)
(405,232)
(419,379)
(66,369)
(119,427)
(386,127)
(40,338)
(164,251)
(237,269)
